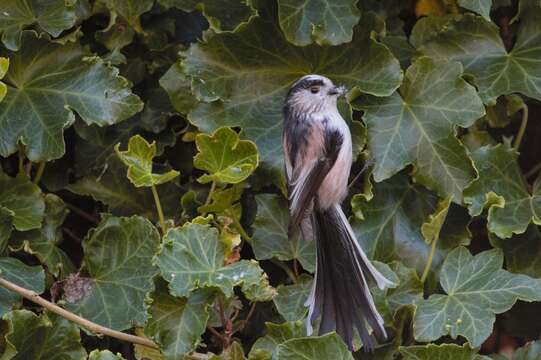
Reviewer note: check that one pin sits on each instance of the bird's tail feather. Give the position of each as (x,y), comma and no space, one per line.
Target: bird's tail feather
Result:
(340,292)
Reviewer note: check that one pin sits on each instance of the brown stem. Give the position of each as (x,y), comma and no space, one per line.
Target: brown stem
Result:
(226,323)
(89,325)
(245,321)
(83,213)
(296,268)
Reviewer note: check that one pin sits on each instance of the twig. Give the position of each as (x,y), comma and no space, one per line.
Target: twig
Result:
(245,321)
(296,267)
(83,213)
(89,325)
(39,172)
(211,191)
(216,333)
(159,208)
(522,128)
(286,269)
(533,171)
(429,261)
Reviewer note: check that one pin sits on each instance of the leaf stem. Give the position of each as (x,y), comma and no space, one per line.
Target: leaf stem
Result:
(82,213)
(429,261)
(245,321)
(522,128)
(21,158)
(87,324)
(533,171)
(39,172)
(238,226)
(211,191)
(286,269)
(159,208)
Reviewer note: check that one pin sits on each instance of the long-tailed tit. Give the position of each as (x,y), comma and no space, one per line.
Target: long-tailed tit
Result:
(317,153)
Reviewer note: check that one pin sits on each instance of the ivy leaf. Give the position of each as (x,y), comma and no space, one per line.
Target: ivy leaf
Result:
(476,43)
(510,206)
(266,346)
(22,200)
(431,229)
(223,15)
(417,126)
(328,346)
(138,158)
(45,337)
(192,257)
(29,277)
(323,22)
(233,352)
(4,66)
(440,352)
(43,242)
(482,7)
(477,289)
(44,94)
(406,207)
(53,16)
(242,78)
(118,260)
(270,238)
(177,324)
(104,355)
(291,298)
(131,10)
(225,157)
(408,291)
(178,88)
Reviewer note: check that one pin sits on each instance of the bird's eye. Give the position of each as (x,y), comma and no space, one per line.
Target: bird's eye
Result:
(314,89)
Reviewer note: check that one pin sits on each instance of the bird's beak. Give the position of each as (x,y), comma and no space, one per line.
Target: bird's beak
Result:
(338,91)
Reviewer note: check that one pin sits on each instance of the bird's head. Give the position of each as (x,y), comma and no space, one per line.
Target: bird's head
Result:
(313,93)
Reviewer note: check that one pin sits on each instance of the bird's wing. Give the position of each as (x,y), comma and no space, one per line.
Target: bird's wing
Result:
(307,168)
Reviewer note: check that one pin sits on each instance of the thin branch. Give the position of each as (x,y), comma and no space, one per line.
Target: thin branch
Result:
(83,213)
(159,208)
(89,325)
(245,321)
(39,172)
(522,129)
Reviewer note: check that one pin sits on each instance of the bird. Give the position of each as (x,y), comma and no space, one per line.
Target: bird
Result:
(317,151)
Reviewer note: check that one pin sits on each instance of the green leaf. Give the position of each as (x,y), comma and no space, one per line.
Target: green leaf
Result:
(178,88)
(223,15)
(4,66)
(131,10)
(29,277)
(409,290)
(118,260)
(265,347)
(482,7)
(325,22)
(233,352)
(177,324)
(270,238)
(391,229)
(45,337)
(477,289)
(242,78)
(291,298)
(22,200)
(417,126)
(440,352)
(43,242)
(225,157)
(530,351)
(138,158)
(476,43)
(431,229)
(192,257)
(47,84)
(502,189)
(104,355)
(326,347)
(53,16)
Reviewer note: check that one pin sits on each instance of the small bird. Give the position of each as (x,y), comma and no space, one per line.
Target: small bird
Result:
(318,154)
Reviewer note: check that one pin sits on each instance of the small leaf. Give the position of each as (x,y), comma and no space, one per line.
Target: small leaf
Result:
(482,7)
(233,352)
(177,324)
(22,200)
(131,10)
(53,16)
(225,157)
(417,126)
(29,277)
(4,65)
(327,22)
(326,347)
(138,158)
(265,347)
(270,238)
(104,355)
(477,289)
(47,84)
(431,228)
(440,352)
(291,298)
(118,260)
(45,337)
(192,257)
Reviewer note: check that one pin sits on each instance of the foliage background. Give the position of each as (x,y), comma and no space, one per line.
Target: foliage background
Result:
(141,183)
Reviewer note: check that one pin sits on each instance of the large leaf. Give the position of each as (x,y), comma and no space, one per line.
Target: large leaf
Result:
(177,324)
(477,288)
(22,200)
(225,157)
(476,43)
(118,260)
(440,352)
(29,277)
(416,125)
(271,238)
(53,16)
(192,257)
(43,242)
(326,347)
(243,78)
(502,188)
(47,84)
(325,22)
(45,337)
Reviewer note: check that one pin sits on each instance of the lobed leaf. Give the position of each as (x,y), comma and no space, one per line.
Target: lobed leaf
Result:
(440,352)
(21,201)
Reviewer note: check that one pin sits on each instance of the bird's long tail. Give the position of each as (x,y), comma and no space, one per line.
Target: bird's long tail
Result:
(340,292)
